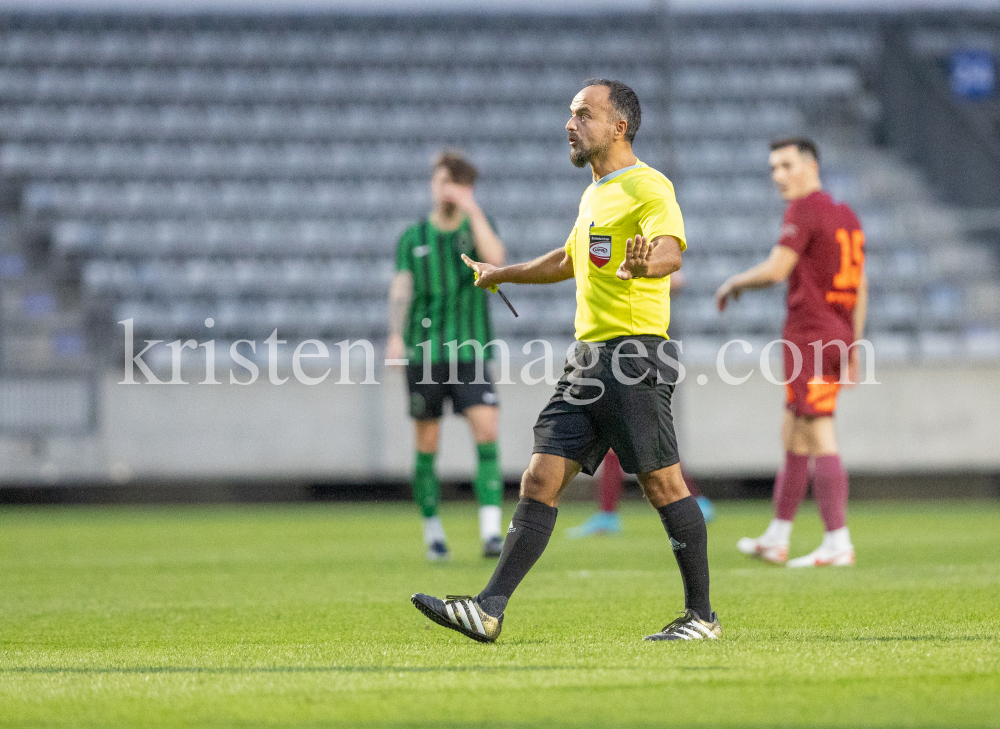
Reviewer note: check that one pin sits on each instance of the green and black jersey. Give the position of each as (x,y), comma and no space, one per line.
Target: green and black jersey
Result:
(447,306)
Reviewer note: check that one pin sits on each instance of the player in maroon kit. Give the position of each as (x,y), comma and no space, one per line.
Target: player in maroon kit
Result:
(821,252)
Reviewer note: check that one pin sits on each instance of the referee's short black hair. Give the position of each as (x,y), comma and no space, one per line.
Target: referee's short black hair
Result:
(624,101)
(803,144)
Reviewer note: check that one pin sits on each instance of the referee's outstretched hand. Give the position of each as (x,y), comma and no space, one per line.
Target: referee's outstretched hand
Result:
(484,272)
(637,255)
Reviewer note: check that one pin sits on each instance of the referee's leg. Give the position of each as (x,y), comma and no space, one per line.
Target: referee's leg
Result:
(546,477)
(530,528)
(685,525)
(664,486)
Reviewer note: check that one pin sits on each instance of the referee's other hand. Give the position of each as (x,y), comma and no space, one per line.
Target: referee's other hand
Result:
(485,273)
(638,251)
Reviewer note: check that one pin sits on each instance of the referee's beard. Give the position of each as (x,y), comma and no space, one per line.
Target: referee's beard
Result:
(580,156)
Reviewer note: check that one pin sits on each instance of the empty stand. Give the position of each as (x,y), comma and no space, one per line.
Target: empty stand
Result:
(260,173)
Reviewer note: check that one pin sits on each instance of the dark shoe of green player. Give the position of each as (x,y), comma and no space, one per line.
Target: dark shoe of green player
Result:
(492,547)
(461,613)
(438,552)
(690,626)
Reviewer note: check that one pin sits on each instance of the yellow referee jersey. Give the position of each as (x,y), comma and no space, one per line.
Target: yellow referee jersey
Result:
(632,201)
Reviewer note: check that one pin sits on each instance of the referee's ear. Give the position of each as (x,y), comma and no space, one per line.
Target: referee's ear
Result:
(621,127)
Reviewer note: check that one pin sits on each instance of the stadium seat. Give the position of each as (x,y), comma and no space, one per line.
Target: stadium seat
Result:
(263,173)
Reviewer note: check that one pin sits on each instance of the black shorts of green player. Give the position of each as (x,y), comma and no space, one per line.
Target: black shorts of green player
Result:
(464,387)
(614,394)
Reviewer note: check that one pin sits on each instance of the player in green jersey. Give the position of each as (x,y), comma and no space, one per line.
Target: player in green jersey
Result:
(436,313)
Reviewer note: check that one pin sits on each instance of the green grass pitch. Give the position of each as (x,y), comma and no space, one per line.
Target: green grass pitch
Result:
(299,616)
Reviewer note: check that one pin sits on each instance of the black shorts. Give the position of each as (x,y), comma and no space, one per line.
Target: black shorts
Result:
(427,398)
(629,412)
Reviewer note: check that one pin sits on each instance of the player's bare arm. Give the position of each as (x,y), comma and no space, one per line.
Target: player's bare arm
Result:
(489,247)
(400,297)
(858,316)
(777,268)
(861,308)
(650,258)
(553,267)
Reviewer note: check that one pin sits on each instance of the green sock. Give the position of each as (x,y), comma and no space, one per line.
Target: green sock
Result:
(489,481)
(425,484)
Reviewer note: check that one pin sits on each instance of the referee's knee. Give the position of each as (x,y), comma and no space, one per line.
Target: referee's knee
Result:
(663,486)
(539,484)
(546,476)
(532,486)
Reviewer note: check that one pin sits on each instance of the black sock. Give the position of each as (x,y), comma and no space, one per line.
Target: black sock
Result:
(685,526)
(529,532)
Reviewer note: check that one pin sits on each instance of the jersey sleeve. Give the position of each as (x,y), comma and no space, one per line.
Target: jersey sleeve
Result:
(795,228)
(404,250)
(657,210)
(569,243)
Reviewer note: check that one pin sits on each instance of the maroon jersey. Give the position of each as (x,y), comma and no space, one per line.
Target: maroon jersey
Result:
(823,286)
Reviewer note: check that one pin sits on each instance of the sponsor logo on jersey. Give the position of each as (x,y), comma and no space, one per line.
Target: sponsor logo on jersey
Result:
(600,249)
(421,251)
(490,398)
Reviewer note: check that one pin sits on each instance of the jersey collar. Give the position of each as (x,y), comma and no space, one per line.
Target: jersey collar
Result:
(612,175)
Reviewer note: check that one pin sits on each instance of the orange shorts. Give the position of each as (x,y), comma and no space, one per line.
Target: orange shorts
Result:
(812,393)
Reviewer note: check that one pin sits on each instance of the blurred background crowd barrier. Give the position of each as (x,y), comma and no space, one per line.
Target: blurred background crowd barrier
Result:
(257,168)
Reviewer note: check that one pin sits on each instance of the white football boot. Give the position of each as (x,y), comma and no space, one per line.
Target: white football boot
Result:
(835,551)
(773,552)
(772,545)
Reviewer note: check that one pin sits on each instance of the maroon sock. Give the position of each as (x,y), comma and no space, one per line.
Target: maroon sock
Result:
(830,487)
(612,478)
(790,486)
(779,485)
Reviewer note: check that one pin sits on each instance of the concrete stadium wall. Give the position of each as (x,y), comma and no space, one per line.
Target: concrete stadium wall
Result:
(933,419)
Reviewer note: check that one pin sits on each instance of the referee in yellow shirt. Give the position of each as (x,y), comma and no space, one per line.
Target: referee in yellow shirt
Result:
(616,388)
